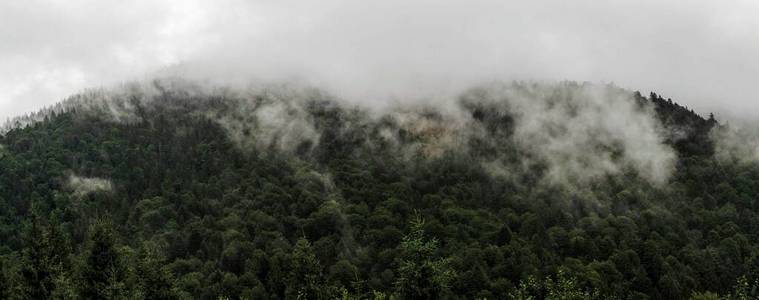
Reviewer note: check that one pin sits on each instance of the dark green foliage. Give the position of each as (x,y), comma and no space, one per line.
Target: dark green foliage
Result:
(45,262)
(154,279)
(305,280)
(103,273)
(194,213)
(421,274)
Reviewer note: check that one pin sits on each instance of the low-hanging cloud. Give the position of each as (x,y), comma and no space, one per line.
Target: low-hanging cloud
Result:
(737,143)
(703,54)
(576,132)
(270,117)
(581,131)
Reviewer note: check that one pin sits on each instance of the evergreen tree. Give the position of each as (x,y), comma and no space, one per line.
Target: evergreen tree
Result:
(422,274)
(306,280)
(45,258)
(155,281)
(103,272)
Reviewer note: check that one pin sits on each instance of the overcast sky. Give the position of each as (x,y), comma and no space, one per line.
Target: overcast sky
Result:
(704,54)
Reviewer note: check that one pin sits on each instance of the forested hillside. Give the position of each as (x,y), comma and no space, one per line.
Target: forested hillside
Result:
(511,191)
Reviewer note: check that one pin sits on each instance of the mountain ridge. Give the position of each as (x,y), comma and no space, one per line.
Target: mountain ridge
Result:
(540,189)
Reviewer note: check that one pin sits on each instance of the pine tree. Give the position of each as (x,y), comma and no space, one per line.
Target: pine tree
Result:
(421,274)
(35,270)
(103,273)
(305,281)
(155,281)
(45,257)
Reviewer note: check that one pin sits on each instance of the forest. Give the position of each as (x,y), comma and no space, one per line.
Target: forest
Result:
(523,190)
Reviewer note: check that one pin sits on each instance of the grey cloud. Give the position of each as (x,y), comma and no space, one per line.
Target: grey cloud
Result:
(704,54)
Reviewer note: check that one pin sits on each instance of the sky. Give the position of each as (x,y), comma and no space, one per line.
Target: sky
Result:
(703,54)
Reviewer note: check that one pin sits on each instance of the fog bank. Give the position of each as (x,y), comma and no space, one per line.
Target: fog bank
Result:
(704,54)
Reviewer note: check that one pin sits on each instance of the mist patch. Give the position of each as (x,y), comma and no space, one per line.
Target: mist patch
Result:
(579,131)
(82,186)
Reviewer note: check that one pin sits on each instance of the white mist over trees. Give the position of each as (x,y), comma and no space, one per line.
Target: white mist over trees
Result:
(583,131)
(577,131)
(82,186)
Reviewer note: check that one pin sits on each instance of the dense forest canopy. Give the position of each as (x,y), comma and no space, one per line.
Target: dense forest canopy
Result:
(523,190)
